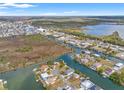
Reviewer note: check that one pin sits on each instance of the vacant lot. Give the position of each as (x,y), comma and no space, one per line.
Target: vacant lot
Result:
(21,51)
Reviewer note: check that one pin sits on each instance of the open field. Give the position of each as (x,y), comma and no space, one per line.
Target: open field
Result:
(21,51)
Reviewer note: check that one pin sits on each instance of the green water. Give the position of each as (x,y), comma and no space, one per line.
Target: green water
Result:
(104,83)
(22,78)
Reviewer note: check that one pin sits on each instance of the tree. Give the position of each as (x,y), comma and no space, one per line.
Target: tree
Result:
(100,70)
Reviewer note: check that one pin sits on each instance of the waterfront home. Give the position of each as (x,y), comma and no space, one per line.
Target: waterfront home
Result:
(108,72)
(118,66)
(42,30)
(59,76)
(65,87)
(48,79)
(55,72)
(87,84)
(77,56)
(44,76)
(69,72)
(84,61)
(61,38)
(76,75)
(104,45)
(86,51)
(120,55)
(96,66)
(44,67)
(121,48)
(114,47)
(85,44)
(51,80)
(97,55)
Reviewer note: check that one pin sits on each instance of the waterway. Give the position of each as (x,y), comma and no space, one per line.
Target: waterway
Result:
(105,29)
(21,79)
(24,78)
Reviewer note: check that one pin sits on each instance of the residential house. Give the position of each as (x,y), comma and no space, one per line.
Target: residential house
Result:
(118,66)
(96,66)
(87,84)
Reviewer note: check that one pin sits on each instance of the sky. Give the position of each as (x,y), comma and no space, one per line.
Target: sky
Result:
(61,9)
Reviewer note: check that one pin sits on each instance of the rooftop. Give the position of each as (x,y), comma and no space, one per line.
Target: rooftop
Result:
(87,84)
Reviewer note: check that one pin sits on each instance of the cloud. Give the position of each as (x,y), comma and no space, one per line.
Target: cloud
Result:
(71,12)
(16,5)
(3,7)
(61,13)
(49,14)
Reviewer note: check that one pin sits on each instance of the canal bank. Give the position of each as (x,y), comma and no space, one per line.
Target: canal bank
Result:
(104,83)
(24,78)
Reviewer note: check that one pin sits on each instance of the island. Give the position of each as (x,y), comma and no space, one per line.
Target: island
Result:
(59,76)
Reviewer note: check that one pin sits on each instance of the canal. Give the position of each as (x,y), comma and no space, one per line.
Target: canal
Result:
(24,78)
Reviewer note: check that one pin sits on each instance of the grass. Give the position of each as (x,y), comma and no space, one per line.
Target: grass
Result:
(37,37)
(28,50)
(24,49)
(3,59)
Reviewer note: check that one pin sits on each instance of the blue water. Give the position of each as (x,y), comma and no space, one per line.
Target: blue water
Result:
(24,78)
(105,83)
(104,29)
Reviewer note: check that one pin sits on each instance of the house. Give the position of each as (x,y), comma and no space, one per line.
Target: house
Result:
(118,66)
(41,30)
(48,79)
(87,52)
(55,72)
(87,84)
(44,67)
(61,38)
(76,75)
(44,76)
(51,80)
(69,72)
(96,66)
(84,60)
(67,88)
(97,55)
(77,55)
(120,55)
(108,72)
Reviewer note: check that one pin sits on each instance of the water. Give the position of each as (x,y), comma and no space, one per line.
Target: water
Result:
(105,29)
(105,83)
(22,78)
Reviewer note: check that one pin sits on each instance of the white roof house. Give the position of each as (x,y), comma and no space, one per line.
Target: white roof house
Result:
(97,55)
(41,30)
(118,66)
(69,72)
(87,84)
(44,76)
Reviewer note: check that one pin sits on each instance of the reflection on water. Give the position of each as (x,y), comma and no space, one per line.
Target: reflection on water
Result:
(105,29)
